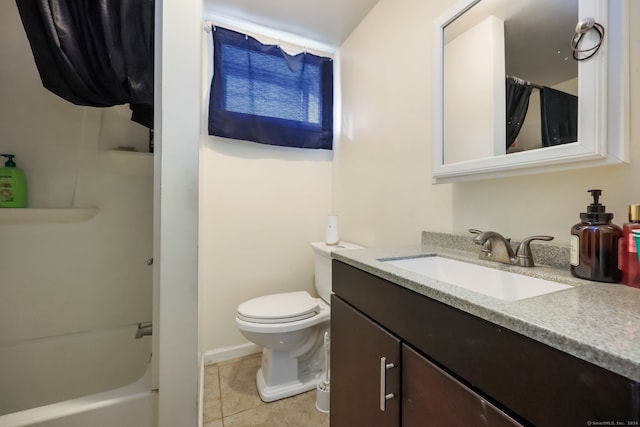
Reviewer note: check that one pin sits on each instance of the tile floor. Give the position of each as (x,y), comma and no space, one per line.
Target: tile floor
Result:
(231,400)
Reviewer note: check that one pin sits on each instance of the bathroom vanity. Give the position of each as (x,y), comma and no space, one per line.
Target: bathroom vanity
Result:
(413,354)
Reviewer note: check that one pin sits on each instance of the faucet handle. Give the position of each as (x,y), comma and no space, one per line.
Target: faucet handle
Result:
(476,231)
(486,247)
(524,256)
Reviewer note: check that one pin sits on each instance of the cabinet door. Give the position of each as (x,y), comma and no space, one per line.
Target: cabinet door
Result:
(430,396)
(360,349)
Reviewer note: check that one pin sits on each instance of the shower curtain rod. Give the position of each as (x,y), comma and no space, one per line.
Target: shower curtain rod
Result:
(525,82)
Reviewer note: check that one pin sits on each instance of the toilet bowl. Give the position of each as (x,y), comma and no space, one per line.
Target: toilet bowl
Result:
(290,327)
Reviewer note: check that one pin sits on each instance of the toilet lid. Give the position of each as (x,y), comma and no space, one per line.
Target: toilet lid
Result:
(279,308)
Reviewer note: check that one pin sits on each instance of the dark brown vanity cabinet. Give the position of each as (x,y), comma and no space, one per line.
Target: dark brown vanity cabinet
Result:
(399,358)
(376,380)
(365,371)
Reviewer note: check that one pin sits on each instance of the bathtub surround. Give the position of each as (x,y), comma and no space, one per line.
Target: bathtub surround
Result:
(13,183)
(69,286)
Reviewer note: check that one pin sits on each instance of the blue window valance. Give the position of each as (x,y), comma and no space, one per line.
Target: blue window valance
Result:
(260,93)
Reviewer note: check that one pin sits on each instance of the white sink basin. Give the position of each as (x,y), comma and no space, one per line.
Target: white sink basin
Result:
(487,281)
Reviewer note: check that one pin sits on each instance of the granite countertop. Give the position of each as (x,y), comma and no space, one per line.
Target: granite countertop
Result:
(596,322)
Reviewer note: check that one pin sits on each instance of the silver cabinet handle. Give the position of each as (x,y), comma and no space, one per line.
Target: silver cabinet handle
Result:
(383,383)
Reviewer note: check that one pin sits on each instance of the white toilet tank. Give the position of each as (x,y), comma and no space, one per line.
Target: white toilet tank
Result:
(322,255)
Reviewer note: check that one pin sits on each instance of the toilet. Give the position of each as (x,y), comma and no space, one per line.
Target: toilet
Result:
(290,327)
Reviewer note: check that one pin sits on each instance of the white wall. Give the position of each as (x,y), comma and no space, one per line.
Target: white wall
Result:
(59,279)
(382,177)
(260,207)
(176,285)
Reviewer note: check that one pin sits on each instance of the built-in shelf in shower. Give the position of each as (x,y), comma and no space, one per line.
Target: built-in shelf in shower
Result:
(130,162)
(46,215)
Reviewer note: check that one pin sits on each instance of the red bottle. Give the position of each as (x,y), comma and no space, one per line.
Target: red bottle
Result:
(628,258)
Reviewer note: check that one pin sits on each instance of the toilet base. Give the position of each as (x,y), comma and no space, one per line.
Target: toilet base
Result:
(271,393)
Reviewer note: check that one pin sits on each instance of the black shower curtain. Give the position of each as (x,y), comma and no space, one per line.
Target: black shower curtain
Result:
(517,105)
(96,53)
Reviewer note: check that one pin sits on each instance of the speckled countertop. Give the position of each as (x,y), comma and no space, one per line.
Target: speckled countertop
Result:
(596,322)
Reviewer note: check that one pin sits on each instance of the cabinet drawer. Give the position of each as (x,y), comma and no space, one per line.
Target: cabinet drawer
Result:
(430,396)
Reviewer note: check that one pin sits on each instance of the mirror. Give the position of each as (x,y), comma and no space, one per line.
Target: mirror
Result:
(490,48)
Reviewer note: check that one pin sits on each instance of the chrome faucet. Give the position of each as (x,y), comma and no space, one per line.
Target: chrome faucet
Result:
(497,248)
(500,249)
(486,247)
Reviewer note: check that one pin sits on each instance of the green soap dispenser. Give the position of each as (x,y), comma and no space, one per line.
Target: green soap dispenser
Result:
(13,185)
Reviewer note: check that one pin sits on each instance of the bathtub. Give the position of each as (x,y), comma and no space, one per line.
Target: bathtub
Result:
(84,379)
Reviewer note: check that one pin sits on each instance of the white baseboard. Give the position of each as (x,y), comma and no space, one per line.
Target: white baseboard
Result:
(229,353)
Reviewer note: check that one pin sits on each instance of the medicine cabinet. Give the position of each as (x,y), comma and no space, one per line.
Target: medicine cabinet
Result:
(474,56)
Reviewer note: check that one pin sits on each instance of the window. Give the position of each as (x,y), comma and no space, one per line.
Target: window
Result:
(260,93)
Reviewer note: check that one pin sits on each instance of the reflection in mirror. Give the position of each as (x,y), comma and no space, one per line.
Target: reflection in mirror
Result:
(510,83)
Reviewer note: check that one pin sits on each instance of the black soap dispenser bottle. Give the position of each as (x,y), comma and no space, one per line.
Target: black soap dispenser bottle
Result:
(594,244)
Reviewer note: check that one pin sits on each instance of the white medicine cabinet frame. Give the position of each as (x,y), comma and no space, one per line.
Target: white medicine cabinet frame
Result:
(603,106)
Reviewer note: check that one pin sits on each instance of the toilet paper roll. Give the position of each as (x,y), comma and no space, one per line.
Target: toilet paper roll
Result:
(331,237)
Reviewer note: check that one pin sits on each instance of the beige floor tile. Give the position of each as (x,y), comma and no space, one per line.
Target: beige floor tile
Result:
(238,385)
(230,392)
(216,423)
(296,411)
(212,404)
(325,416)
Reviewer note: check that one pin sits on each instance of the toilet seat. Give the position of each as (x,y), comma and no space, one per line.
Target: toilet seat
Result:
(279,308)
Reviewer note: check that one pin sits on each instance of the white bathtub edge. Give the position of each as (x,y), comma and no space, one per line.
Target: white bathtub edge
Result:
(141,388)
